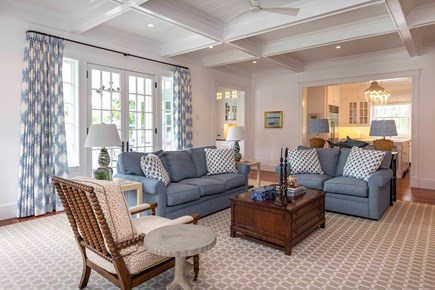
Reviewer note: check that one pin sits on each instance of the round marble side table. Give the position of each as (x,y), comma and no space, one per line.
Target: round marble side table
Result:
(180,241)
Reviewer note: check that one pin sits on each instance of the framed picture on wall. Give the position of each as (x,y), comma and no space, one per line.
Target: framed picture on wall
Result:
(273,119)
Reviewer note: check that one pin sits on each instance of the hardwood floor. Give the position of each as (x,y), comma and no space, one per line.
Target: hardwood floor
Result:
(404,192)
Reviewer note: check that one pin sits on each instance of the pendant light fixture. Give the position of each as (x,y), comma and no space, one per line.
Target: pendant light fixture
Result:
(376,94)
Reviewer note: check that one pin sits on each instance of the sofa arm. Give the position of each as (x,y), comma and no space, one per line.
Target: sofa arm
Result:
(380,178)
(243,168)
(149,185)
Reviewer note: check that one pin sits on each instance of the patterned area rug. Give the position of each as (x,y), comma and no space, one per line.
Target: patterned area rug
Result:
(397,252)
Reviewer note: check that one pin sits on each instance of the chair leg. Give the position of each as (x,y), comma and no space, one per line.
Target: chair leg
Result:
(196,267)
(86,273)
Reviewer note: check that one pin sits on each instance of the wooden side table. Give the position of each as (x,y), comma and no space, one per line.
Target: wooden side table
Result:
(257,166)
(180,241)
(393,180)
(127,185)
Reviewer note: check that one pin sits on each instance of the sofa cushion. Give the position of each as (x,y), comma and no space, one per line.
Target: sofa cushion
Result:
(346,185)
(314,181)
(328,158)
(129,162)
(362,163)
(232,180)
(178,193)
(344,153)
(180,165)
(304,161)
(220,161)
(153,168)
(198,158)
(207,186)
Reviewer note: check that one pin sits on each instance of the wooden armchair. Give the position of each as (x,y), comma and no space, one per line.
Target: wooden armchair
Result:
(110,241)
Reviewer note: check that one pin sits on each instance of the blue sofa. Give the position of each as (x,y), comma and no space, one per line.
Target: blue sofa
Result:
(191,190)
(349,195)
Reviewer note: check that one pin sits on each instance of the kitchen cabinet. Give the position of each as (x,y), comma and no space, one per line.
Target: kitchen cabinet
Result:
(358,113)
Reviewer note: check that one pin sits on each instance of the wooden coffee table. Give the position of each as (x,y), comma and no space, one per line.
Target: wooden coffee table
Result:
(281,226)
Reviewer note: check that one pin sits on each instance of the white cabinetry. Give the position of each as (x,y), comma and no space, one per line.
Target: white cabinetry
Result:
(403,158)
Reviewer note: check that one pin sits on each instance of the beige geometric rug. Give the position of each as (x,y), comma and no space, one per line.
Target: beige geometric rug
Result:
(397,252)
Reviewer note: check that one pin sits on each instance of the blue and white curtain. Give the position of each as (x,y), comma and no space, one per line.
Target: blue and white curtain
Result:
(42,131)
(182,108)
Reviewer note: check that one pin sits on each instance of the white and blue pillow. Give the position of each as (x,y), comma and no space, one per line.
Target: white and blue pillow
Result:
(362,163)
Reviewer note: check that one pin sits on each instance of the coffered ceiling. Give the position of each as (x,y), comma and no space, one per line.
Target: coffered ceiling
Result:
(186,29)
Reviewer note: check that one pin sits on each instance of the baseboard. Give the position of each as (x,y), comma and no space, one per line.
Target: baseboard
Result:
(8,211)
(423,183)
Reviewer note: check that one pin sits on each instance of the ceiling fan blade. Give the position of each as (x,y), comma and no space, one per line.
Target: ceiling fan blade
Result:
(282,10)
(238,15)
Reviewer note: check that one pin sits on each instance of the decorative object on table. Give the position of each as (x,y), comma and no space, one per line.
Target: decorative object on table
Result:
(263,193)
(295,191)
(273,119)
(236,134)
(383,128)
(103,174)
(318,126)
(376,94)
(291,181)
(281,197)
(349,143)
(103,135)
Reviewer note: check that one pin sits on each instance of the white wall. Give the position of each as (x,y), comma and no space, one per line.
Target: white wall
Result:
(281,90)
(11,60)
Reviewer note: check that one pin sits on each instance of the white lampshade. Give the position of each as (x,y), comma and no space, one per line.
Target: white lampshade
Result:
(383,128)
(236,133)
(102,135)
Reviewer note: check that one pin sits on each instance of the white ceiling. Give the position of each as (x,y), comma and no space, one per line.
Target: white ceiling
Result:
(184,29)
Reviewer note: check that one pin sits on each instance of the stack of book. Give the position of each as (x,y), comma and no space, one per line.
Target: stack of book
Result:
(296,191)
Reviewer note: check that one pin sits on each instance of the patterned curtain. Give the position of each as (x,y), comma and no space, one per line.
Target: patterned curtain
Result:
(182,108)
(42,131)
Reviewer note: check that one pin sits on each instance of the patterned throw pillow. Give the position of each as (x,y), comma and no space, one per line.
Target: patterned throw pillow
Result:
(220,161)
(362,163)
(304,161)
(152,167)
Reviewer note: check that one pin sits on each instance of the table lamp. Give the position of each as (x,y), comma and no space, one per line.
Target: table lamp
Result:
(318,126)
(236,134)
(103,135)
(383,128)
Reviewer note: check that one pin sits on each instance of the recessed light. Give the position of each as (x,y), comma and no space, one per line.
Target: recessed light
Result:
(210,46)
(254,61)
(150,25)
(338,47)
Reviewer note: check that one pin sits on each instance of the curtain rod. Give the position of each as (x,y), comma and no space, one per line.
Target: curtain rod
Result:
(107,49)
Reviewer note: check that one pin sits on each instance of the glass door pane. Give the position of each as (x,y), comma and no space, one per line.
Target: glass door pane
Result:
(141,112)
(106,104)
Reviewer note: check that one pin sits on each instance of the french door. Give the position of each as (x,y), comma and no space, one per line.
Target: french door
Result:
(128,100)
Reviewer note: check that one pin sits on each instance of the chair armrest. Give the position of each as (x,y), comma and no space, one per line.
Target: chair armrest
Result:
(143,207)
(149,185)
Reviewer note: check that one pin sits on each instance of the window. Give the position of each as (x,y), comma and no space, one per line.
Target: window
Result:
(167,113)
(71,96)
(401,113)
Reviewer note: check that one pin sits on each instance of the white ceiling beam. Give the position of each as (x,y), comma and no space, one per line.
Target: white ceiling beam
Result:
(287,62)
(247,46)
(100,12)
(398,15)
(263,22)
(182,46)
(188,18)
(422,15)
(227,57)
(356,30)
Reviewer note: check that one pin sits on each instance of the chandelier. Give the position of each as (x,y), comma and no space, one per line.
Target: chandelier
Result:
(376,94)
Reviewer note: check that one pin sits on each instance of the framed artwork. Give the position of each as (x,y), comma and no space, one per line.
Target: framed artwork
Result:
(273,119)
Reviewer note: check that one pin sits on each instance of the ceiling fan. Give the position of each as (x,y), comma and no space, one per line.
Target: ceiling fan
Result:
(256,5)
